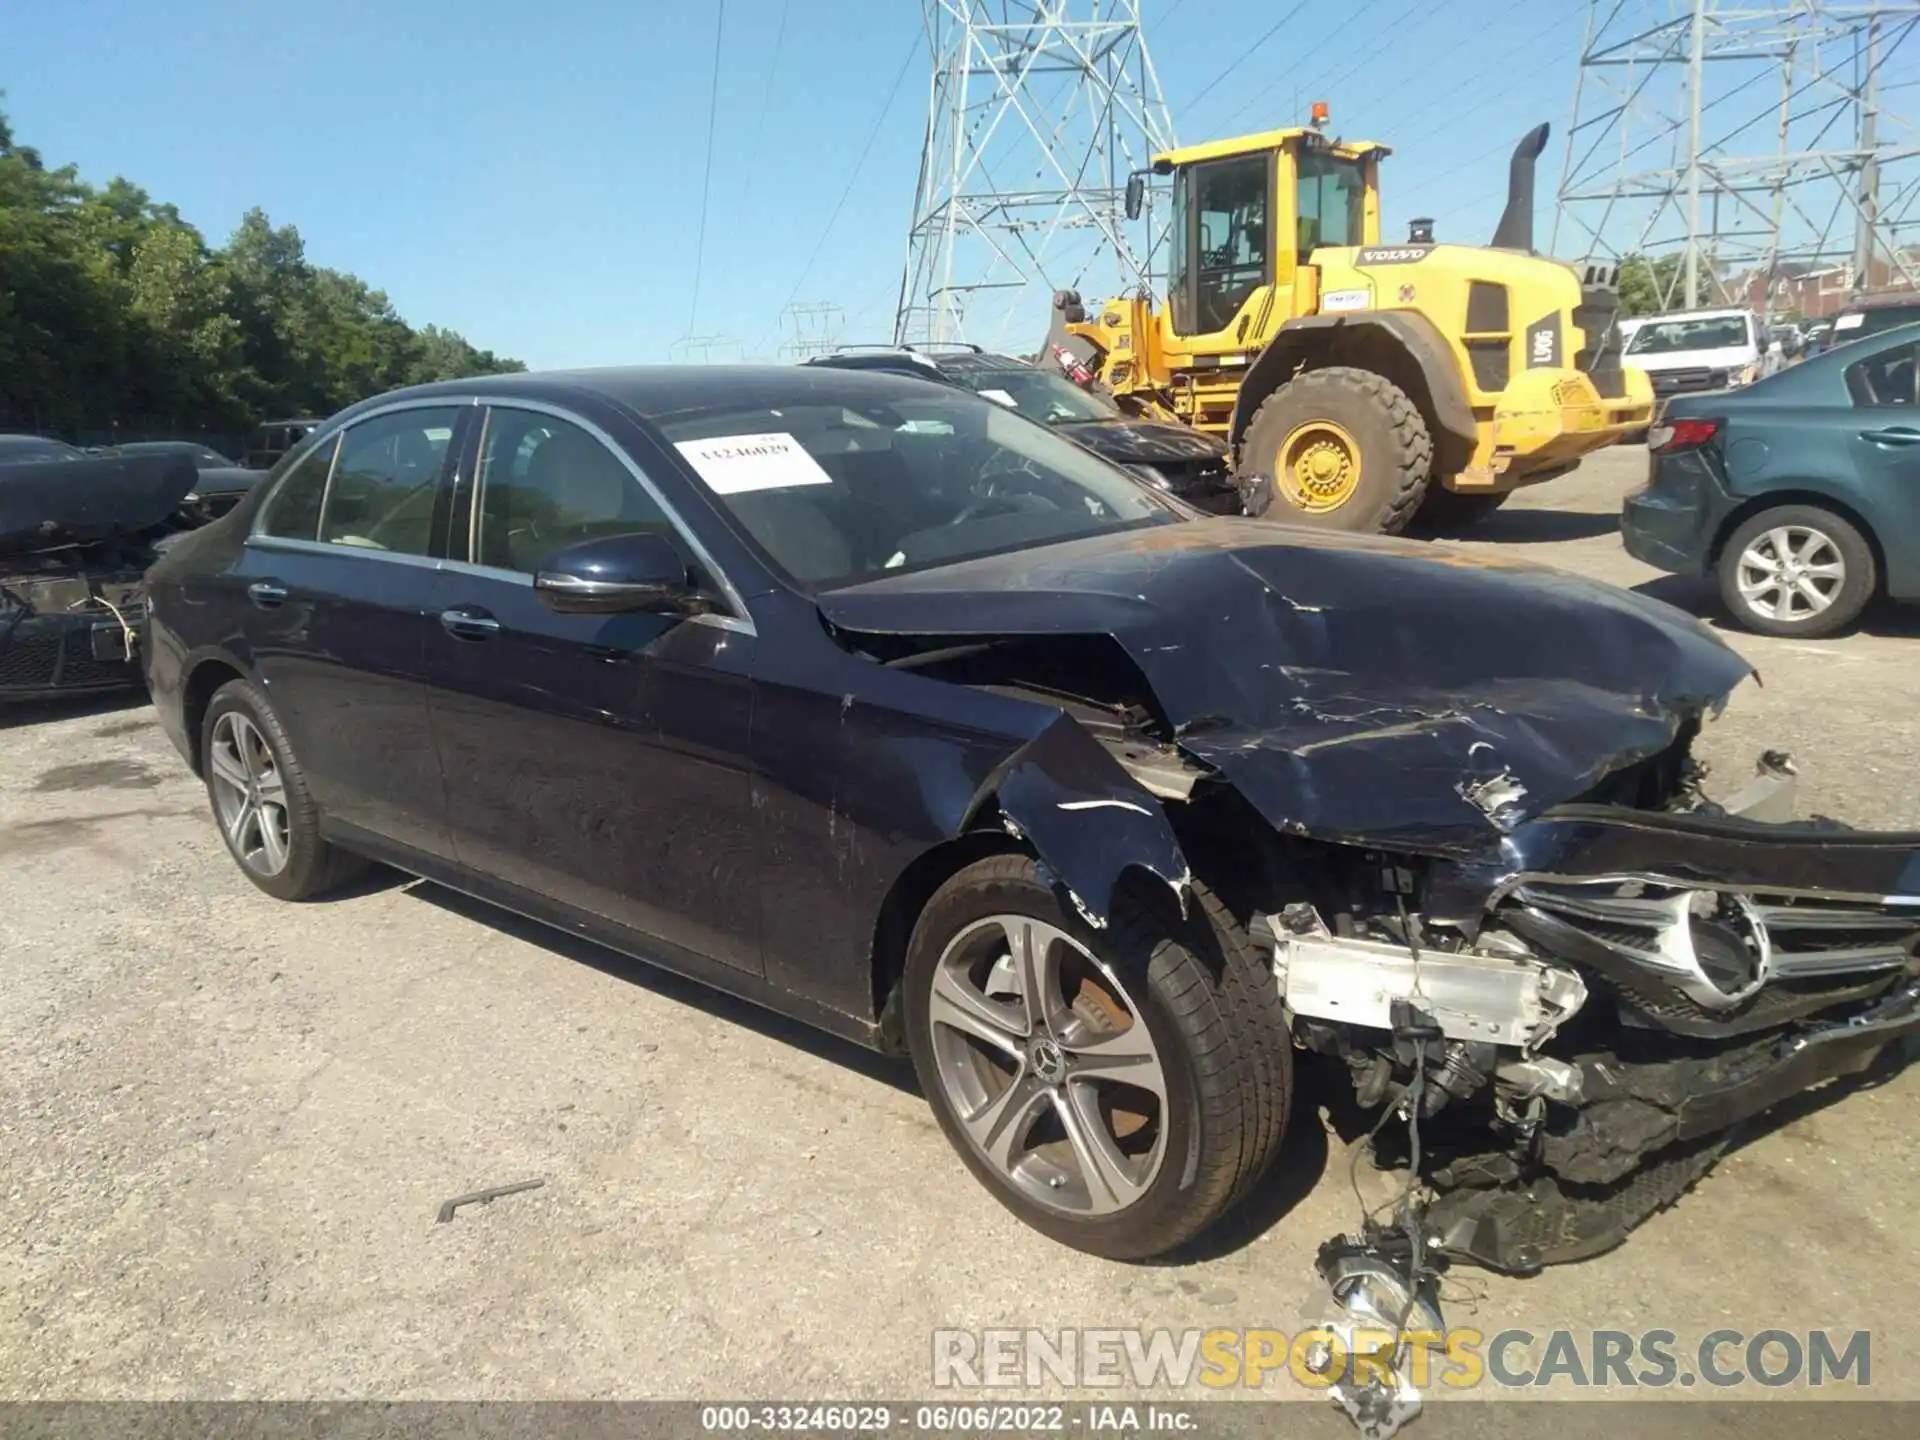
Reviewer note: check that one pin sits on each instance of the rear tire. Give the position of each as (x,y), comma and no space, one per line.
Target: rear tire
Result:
(1796,570)
(260,800)
(1190,1137)
(1297,437)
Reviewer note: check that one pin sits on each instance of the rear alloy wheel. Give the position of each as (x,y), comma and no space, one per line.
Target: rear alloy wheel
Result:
(260,800)
(1796,570)
(1092,1079)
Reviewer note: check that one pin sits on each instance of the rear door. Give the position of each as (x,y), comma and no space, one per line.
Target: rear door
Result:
(339,576)
(1885,446)
(600,761)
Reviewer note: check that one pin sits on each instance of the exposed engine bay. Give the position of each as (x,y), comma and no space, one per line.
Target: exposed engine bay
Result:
(76,537)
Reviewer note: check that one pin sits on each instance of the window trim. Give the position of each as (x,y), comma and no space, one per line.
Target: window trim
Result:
(740,620)
(293,460)
(332,431)
(440,482)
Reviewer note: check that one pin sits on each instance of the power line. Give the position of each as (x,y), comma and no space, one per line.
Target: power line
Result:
(879,121)
(706,177)
(1247,54)
(766,97)
(1294,68)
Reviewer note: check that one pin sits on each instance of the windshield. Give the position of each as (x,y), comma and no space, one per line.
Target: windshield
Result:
(1667,337)
(837,493)
(1039,395)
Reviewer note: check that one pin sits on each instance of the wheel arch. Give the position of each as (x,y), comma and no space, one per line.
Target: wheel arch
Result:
(1812,500)
(1406,349)
(203,679)
(900,911)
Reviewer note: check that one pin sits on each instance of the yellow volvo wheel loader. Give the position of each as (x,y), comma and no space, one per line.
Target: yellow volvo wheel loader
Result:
(1360,384)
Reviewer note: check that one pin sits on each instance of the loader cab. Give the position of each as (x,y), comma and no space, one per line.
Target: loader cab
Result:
(1246,214)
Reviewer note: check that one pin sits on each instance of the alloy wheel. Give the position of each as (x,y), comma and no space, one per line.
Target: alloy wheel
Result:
(249,794)
(1049,1066)
(1791,573)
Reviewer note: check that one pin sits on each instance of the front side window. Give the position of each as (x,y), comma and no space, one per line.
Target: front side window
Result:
(545,483)
(1890,378)
(293,510)
(1330,202)
(834,492)
(386,480)
(1230,240)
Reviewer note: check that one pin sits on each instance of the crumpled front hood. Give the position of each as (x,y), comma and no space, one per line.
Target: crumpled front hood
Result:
(1350,688)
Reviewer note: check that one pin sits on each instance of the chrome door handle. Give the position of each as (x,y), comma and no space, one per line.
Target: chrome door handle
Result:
(469,624)
(266,594)
(1892,435)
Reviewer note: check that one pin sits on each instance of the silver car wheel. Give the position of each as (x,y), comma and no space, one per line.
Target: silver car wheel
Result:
(1791,572)
(249,794)
(1049,1066)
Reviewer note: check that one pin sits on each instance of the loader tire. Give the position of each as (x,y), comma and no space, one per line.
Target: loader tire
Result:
(1346,448)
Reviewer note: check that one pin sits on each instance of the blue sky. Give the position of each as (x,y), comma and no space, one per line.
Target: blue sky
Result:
(530,173)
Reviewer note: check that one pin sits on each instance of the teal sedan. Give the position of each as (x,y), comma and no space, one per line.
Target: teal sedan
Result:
(1799,494)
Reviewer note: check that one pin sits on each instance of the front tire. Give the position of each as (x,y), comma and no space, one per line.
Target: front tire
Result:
(260,799)
(1796,570)
(1100,1083)
(1347,450)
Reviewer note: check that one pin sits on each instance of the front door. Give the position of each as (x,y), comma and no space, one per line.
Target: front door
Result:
(338,579)
(599,761)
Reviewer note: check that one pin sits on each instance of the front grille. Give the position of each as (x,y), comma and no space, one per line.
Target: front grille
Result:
(30,664)
(1676,382)
(1819,953)
(59,662)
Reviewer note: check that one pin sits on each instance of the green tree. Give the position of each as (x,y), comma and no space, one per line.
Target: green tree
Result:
(116,317)
(1643,282)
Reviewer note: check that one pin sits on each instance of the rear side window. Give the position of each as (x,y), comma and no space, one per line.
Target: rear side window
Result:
(293,510)
(1890,378)
(386,481)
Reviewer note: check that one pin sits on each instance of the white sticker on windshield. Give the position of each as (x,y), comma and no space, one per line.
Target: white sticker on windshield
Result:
(1850,322)
(1003,397)
(736,464)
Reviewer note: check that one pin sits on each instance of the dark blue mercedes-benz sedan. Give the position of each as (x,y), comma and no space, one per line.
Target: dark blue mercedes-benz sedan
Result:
(891,709)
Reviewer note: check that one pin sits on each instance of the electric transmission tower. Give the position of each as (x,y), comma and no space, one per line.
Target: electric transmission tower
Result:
(1753,140)
(1037,113)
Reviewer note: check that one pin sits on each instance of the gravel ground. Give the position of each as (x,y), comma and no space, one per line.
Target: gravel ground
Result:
(226,1123)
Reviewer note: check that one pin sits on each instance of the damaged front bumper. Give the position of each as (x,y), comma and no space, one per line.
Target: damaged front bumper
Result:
(69,635)
(1607,997)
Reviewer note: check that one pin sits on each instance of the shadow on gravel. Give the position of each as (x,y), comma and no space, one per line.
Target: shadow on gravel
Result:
(39,712)
(897,1073)
(1532,527)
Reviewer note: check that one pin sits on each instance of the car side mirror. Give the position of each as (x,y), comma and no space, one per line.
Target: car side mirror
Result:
(615,574)
(1136,194)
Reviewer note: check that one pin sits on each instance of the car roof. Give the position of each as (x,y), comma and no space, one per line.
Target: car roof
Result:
(661,392)
(955,360)
(1722,314)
